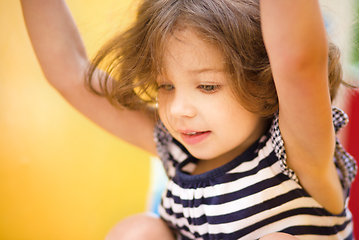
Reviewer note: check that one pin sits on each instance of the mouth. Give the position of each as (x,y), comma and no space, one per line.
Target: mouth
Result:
(193,133)
(192,137)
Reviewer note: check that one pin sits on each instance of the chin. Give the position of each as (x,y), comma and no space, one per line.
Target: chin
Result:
(203,155)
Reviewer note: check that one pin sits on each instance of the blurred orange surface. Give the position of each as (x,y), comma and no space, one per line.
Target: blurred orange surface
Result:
(61,177)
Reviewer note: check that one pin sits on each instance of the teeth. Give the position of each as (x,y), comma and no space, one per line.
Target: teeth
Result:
(191,133)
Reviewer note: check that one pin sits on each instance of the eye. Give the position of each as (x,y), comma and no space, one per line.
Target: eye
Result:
(209,88)
(166,87)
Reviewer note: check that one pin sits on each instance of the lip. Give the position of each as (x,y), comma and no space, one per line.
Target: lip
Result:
(195,138)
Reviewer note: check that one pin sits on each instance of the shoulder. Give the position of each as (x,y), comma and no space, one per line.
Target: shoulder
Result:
(324,183)
(344,162)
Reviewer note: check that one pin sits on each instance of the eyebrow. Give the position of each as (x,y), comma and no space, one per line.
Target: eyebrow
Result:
(205,70)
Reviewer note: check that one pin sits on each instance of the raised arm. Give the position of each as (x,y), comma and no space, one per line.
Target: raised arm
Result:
(62,56)
(295,38)
(56,41)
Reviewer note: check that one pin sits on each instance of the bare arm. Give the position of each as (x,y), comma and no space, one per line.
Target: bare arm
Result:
(62,56)
(295,38)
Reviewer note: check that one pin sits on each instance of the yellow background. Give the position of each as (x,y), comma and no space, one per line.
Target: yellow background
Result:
(61,177)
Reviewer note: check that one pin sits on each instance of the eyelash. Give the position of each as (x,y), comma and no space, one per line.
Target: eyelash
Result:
(204,88)
(209,88)
(167,87)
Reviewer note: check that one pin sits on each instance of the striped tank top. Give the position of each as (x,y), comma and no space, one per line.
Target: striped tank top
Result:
(251,196)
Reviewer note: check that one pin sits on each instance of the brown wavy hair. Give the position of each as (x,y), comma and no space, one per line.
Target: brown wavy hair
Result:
(133,59)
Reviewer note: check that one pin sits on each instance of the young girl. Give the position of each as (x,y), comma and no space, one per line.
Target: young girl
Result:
(233,95)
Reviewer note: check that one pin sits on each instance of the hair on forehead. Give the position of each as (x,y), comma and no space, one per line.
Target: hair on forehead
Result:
(134,58)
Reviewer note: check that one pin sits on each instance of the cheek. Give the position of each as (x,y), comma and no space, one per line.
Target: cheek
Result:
(224,107)
(234,114)
(163,110)
(163,100)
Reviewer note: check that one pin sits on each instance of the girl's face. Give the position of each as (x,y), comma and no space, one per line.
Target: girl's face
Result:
(196,103)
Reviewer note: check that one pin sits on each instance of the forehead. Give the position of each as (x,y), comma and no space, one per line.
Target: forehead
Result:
(185,48)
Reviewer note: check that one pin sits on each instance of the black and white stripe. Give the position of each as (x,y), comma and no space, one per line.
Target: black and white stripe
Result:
(253,195)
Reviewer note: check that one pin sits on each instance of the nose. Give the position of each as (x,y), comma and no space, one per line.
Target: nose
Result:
(182,105)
